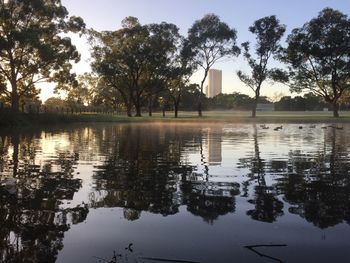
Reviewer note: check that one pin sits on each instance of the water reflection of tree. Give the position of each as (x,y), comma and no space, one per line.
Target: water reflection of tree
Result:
(319,186)
(267,206)
(32,221)
(147,171)
(208,199)
(142,171)
(4,146)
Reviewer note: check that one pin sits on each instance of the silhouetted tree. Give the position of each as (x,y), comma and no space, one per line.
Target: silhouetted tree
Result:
(268,33)
(120,57)
(319,57)
(235,100)
(164,45)
(178,74)
(211,40)
(134,60)
(32,46)
(83,92)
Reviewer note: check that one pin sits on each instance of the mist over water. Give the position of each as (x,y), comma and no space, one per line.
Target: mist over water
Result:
(203,193)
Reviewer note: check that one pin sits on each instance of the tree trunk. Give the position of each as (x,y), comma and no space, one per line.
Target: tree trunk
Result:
(335,110)
(138,110)
(150,103)
(128,109)
(163,109)
(127,104)
(200,107)
(14,99)
(176,109)
(137,107)
(201,93)
(255,103)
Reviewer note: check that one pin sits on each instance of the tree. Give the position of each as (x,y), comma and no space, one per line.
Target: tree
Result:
(180,71)
(133,59)
(54,102)
(164,44)
(319,57)
(82,92)
(268,33)
(120,59)
(313,102)
(107,95)
(33,45)
(308,102)
(235,100)
(211,40)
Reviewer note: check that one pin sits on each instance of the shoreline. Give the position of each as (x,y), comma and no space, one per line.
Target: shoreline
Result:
(32,120)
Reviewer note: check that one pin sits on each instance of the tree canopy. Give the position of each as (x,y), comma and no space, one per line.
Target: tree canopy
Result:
(268,32)
(34,46)
(318,55)
(134,59)
(210,40)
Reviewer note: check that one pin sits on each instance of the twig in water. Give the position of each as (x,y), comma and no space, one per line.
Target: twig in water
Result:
(252,248)
(169,260)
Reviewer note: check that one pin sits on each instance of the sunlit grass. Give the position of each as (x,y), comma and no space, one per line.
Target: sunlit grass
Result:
(9,120)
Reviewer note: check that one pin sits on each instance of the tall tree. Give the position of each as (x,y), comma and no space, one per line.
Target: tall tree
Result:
(211,40)
(179,72)
(82,93)
(119,59)
(319,57)
(268,33)
(33,47)
(106,95)
(164,42)
(133,59)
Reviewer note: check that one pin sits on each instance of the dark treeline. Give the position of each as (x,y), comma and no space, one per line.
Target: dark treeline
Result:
(234,101)
(147,67)
(239,101)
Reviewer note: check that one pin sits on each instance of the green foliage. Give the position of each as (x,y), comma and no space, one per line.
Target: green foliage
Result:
(33,47)
(210,40)
(134,60)
(308,102)
(54,102)
(83,92)
(268,33)
(319,56)
(179,71)
(236,100)
(189,95)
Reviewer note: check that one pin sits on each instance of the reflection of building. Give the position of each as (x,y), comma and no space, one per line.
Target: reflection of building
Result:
(214,148)
(214,86)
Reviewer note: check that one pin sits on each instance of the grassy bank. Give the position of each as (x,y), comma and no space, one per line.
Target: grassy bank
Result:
(8,119)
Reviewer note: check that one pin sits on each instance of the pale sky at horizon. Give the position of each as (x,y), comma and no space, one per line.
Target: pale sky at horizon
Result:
(108,14)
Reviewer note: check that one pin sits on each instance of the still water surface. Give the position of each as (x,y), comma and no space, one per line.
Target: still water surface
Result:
(197,193)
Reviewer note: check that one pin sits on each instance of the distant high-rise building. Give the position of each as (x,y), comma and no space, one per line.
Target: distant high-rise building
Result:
(214,86)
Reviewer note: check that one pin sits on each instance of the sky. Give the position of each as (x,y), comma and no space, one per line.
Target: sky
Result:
(238,14)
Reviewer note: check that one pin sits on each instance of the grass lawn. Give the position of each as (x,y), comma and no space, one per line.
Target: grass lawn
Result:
(245,116)
(10,120)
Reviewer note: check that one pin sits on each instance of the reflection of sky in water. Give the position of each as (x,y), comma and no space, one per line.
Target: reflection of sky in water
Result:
(196,192)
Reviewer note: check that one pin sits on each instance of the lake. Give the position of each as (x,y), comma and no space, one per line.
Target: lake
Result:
(176,193)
